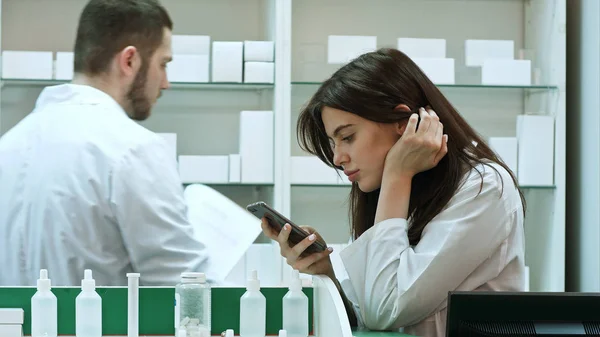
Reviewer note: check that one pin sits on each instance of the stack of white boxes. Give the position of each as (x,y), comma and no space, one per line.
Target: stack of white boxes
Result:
(496,59)
(190,58)
(342,49)
(259,66)
(430,56)
(254,164)
(530,155)
(11,322)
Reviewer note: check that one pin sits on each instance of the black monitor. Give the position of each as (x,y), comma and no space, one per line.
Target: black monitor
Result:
(512,314)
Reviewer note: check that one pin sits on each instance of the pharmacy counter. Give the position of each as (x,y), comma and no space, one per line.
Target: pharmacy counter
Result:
(327,316)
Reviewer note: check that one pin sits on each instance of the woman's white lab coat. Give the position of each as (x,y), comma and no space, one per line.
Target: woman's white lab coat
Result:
(475,243)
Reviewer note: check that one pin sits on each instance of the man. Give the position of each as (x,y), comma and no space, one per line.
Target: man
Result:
(82,185)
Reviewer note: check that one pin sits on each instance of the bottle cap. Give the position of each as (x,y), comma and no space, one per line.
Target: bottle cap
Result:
(88,283)
(43,283)
(253,282)
(188,277)
(295,282)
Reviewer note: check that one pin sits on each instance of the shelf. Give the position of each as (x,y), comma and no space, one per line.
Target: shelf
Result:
(174,85)
(524,187)
(231,184)
(467,86)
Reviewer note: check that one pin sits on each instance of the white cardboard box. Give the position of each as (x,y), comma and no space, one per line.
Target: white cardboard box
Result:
(188,68)
(190,44)
(204,169)
(227,61)
(235,168)
(30,65)
(260,51)
(11,330)
(506,72)
(64,65)
(506,149)
(439,71)
(11,316)
(259,72)
(311,170)
(477,51)
(422,48)
(171,140)
(535,150)
(342,49)
(256,146)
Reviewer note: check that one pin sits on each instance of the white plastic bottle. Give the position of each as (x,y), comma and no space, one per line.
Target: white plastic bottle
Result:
(43,309)
(253,309)
(192,305)
(295,309)
(88,308)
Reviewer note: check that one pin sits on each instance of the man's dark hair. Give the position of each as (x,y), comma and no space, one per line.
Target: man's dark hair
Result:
(108,26)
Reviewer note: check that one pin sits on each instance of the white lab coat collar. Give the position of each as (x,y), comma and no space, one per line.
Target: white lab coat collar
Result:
(76,94)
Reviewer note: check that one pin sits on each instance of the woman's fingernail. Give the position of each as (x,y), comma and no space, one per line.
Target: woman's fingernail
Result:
(312,237)
(286,227)
(330,249)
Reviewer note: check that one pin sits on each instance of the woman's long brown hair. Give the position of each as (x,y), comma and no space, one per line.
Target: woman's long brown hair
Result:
(371,86)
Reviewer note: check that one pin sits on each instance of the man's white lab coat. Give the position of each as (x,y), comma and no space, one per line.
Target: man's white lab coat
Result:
(83,186)
(475,243)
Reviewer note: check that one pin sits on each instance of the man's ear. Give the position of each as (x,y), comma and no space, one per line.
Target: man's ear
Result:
(401,125)
(129,60)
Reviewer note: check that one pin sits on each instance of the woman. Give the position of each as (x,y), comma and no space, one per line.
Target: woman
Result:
(432,208)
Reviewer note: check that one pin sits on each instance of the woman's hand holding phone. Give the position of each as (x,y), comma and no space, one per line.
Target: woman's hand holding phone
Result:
(313,264)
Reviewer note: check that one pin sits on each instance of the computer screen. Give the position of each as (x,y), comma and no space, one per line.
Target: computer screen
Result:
(512,314)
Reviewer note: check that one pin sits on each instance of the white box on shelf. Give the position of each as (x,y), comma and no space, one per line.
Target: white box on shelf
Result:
(308,170)
(259,72)
(64,65)
(188,68)
(344,48)
(263,257)
(535,150)
(477,51)
(11,330)
(204,169)
(422,48)
(190,44)
(227,61)
(235,168)
(260,51)
(27,65)
(171,140)
(506,149)
(256,146)
(11,315)
(506,72)
(439,70)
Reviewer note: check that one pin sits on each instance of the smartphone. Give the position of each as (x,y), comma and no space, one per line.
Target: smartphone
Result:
(277,221)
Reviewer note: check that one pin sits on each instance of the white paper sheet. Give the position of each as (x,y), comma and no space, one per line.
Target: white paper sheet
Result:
(226,229)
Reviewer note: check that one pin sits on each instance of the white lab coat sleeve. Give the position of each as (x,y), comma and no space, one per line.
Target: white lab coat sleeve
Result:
(150,209)
(398,285)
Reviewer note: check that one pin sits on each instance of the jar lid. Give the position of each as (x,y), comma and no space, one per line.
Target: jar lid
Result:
(192,276)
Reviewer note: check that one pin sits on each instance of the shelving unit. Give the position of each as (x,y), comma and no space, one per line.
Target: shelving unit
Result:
(205,115)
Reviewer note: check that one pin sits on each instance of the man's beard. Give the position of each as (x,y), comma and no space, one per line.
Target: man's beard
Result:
(138,100)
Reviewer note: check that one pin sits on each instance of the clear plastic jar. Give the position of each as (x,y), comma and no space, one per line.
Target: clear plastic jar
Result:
(192,305)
